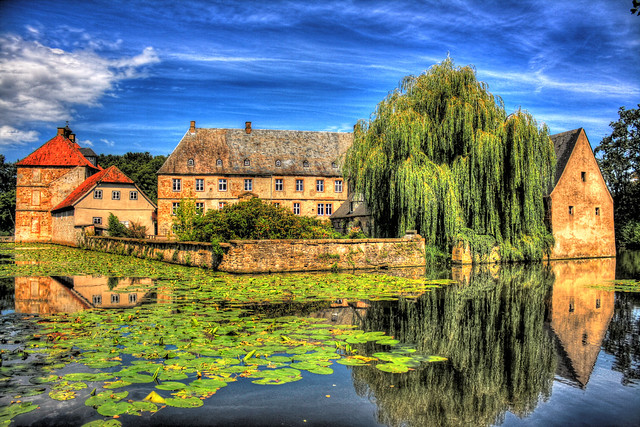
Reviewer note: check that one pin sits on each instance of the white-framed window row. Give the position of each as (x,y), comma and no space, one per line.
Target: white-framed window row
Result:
(176,184)
(338,186)
(248,184)
(324,209)
(222,184)
(115,195)
(97,194)
(299,185)
(279,184)
(199,184)
(320,185)
(296,208)
(133,195)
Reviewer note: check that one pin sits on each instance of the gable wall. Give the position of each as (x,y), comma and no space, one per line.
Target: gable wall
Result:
(582,233)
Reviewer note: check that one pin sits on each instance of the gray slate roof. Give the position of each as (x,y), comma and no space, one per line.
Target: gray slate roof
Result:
(262,148)
(563,144)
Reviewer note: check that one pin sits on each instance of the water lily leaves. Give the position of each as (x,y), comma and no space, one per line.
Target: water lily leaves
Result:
(276,376)
(186,402)
(145,406)
(116,384)
(15,409)
(111,409)
(103,423)
(81,376)
(169,375)
(392,367)
(208,384)
(105,397)
(352,361)
(62,394)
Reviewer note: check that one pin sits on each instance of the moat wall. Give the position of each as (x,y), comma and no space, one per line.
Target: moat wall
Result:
(269,256)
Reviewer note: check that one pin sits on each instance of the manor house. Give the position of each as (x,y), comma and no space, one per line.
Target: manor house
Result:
(295,169)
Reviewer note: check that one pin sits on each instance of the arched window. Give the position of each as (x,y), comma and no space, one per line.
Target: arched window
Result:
(219,162)
(305,164)
(278,163)
(247,162)
(190,162)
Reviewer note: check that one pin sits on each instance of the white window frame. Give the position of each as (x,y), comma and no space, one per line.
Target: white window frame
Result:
(221,205)
(248,184)
(199,184)
(115,195)
(328,209)
(320,185)
(299,184)
(97,220)
(97,194)
(338,186)
(320,211)
(176,184)
(296,208)
(279,184)
(174,208)
(200,208)
(222,184)
(133,195)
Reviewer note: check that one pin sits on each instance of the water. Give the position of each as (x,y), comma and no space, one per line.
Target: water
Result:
(526,345)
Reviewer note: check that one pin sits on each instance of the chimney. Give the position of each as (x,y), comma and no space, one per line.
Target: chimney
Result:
(247,127)
(61,131)
(72,137)
(192,128)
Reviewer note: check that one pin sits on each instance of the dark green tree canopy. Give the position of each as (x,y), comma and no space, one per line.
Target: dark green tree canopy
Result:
(441,155)
(140,167)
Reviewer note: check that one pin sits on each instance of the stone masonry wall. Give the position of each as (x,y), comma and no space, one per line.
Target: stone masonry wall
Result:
(265,256)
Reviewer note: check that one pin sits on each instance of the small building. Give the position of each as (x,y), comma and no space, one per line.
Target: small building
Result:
(353,214)
(295,169)
(53,189)
(579,207)
(91,203)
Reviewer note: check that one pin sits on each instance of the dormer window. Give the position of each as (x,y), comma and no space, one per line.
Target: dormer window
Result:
(305,164)
(334,165)
(190,162)
(247,162)
(278,163)
(219,162)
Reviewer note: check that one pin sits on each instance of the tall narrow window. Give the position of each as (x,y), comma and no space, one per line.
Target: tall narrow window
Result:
(597,211)
(222,184)
(35,198)
(570,210)
(279,184)
(177,184)
(174,207)
(296,208)
(199,184)
(115,298)
(248,185)
(96,299)
(320,185)
(583,176)
(36,176)
(133,298)
(329,209)
(115,195)
(199,208)
(299,185)
(338,186)
(320,209)
(221,205)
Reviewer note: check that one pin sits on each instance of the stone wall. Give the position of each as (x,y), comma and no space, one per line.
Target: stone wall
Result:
(266,256)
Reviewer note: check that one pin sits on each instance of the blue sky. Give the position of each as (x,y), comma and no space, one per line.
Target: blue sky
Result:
(129,76)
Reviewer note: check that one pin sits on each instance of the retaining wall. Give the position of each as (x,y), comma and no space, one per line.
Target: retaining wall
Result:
(266,256)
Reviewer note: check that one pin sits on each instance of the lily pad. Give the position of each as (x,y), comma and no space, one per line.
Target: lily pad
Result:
(187,402)
(111,409)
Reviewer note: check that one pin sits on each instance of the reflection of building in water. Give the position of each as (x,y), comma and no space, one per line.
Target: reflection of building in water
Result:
(44,295)
(580,314)
(343,312)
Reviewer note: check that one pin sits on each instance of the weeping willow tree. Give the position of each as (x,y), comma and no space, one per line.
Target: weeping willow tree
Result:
(440,155)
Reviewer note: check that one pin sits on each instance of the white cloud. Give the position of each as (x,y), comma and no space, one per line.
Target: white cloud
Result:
(108,143)
(10,136)
(40,83)
(86,142)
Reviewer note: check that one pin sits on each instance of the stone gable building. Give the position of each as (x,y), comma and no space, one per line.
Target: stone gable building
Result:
(52,187)
(295,169)
(579,207)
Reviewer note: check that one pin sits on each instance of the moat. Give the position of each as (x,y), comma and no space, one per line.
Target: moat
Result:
(92,337)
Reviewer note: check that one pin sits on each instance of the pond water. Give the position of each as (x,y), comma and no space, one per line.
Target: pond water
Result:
(86,337)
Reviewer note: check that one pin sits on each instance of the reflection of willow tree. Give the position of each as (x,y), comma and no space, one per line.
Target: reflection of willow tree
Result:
(492,330)
(623,337)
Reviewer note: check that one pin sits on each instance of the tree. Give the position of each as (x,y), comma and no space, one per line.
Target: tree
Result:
(7,196)
(619,159)
(441,155)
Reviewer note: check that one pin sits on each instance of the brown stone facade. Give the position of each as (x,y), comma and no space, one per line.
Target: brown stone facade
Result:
(581,207)
(38,190)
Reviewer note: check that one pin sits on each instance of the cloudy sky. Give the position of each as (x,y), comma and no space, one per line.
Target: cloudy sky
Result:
(130,75)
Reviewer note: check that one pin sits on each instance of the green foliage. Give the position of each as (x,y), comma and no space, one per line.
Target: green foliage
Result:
(619,160)
(440,154)
(117,229)
(629,235)
(7,196)
(248,219)
(140,167)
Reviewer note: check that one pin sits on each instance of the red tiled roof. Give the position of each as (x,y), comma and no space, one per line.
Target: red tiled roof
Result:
(58,151)
(109,175)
